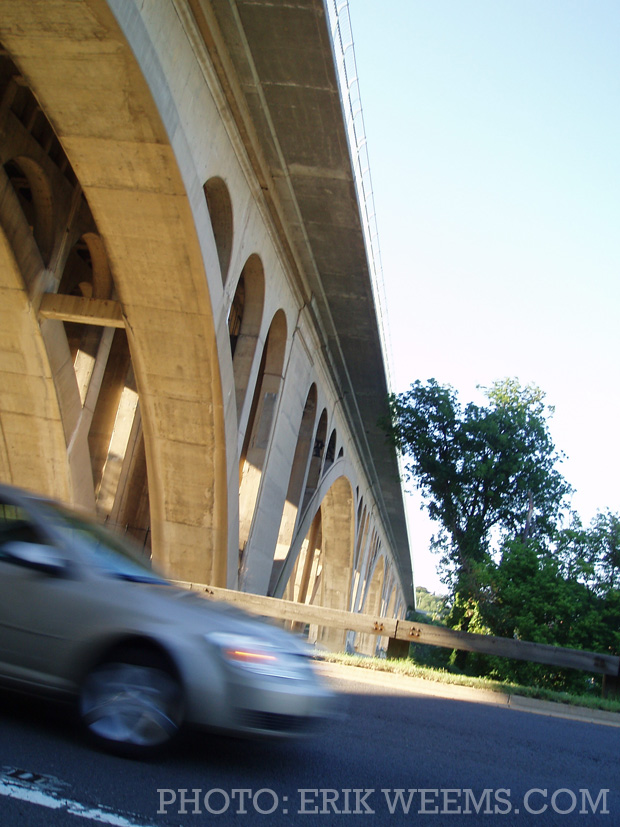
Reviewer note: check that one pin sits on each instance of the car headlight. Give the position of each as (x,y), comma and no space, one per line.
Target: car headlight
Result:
(259,656)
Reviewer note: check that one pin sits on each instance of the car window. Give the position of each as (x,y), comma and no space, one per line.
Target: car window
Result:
(15,524)
(100,548)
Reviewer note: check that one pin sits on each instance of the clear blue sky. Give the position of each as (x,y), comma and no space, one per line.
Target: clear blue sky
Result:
(493,132)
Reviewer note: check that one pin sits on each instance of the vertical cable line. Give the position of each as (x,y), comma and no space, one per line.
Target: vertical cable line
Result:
(348,81)
(344,52)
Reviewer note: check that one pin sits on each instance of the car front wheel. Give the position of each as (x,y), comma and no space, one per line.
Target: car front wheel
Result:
(132,703)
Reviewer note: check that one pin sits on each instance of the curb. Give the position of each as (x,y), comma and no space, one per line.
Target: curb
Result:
(557,710)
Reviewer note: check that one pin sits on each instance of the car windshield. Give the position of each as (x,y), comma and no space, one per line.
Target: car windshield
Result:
(102,549)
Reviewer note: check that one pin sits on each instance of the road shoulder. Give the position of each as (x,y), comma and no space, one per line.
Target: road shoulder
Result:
(419,686)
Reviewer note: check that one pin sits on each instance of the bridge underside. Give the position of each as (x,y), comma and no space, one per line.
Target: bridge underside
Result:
(189,341)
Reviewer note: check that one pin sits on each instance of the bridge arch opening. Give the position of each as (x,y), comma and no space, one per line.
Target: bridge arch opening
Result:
(259,428)
(330,453)
(295,485)
(244,323)
(373,605)
(86,273)
(221,214)
(34,194)
(303,583)
(323,572)
(363,522)
(316,461)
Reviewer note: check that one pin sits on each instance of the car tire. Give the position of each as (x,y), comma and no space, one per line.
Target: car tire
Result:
(131,703)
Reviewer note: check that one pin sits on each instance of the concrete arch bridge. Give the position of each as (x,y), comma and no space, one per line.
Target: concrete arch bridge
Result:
(189,340)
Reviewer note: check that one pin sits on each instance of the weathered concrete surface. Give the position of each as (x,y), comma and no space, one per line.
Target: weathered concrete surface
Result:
(179,171)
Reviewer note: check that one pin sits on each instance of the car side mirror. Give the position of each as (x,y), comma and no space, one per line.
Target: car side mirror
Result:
(34,556)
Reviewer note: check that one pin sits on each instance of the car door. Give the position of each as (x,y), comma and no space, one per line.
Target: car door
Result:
(35,603)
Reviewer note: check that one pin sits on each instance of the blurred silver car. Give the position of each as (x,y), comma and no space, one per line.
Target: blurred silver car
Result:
(83,614)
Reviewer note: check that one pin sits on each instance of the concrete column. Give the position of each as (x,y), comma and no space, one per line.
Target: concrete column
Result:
(274,481)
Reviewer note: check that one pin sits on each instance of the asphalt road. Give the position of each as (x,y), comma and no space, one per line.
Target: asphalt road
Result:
(453,761)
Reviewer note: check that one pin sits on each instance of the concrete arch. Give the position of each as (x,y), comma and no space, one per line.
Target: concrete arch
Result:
(34,192)
(339,469)
(76,276)
(102,277)
(219,205)
(114,136)
(390,599)
(21,247)
(260,424)
(275,352)
(48,192)
(367,565)
(314,472)
(244,323)
(295,484)
(362,521)
(319,567)
(86,278)
(372,604)
(303,580)
(363,527)
(332,586)
(32,444)
(390,608)
(330,451)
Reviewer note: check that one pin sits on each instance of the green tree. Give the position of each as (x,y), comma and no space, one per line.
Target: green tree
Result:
(489,479)
(605,544)
(535,598)
(429,603)
(486,473)
(592,555)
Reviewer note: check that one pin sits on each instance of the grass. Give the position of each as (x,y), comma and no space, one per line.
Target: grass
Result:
(410,668)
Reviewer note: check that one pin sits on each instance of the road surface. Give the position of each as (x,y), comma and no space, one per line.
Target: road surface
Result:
(394,756)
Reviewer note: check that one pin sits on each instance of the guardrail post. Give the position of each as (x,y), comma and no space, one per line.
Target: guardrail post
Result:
(611,686)
(397,648)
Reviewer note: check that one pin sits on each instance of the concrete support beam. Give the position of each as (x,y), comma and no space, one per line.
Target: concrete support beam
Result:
(102,312)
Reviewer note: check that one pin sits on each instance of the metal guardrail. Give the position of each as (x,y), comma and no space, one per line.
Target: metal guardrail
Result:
(411,632)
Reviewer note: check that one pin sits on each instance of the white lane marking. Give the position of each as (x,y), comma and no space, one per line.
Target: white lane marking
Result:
(44,790)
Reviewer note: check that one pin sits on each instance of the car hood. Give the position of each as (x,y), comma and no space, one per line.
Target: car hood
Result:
(174,606)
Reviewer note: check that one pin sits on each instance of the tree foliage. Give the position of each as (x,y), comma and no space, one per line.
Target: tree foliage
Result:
(489,478)
(485,472)
(532,596)
(428,603)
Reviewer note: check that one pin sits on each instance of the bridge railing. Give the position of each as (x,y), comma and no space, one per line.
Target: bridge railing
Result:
(406,631)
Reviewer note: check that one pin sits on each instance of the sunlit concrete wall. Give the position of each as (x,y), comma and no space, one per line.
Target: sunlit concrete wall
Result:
(162,357)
